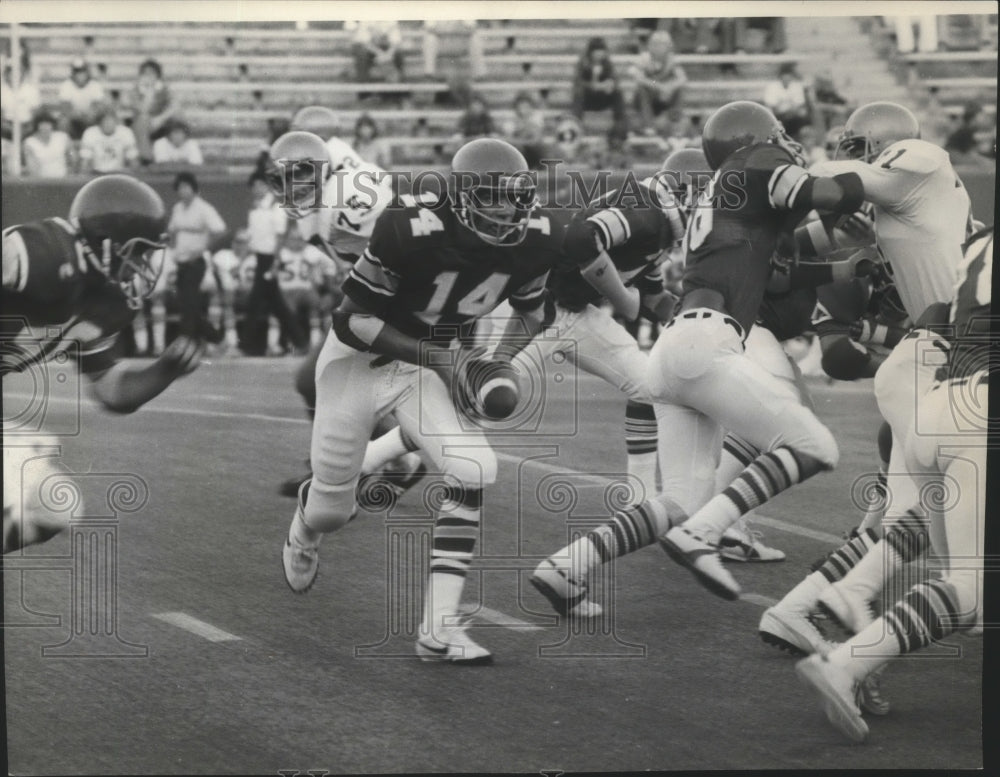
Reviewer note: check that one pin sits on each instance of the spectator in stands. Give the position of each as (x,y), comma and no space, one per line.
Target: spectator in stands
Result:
(595,83)
(376,50)
(682,134)
(786,97)
(926,39)
(18,102)
(81,98)
(194,225)
(571,143)
(527,129)
(760,34)
(814,149)
(368,144)
(177,147)
(48,152)
(698,36)
(267,225)
(640,31)
(962,148)
(476,121)
(659,83)
(831,106)
(832,141)
(422,153)
(108,147)
(153,106)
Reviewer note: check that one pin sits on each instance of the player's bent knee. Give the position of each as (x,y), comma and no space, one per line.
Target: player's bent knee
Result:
(329,507)
(812,443)
(478,471)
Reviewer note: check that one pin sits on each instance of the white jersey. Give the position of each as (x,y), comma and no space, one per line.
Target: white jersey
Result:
(922,217)
(353,200)
(299,269)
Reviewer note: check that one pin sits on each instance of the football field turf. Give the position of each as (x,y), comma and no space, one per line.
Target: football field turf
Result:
(206,662)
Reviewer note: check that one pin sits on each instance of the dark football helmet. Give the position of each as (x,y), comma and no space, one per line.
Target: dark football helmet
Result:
(121,223)
(874,127)
(685,172)
(298,164)
(740,124)
(492,191)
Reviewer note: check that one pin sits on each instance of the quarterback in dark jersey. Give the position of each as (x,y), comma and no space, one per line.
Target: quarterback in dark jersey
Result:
(71,285)
(434,264)
(946,444)
(758,195)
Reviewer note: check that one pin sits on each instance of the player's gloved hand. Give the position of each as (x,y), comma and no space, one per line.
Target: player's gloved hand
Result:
(859,227)
(183,355)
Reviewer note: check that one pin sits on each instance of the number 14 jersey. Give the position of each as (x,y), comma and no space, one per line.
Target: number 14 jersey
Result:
(428,276)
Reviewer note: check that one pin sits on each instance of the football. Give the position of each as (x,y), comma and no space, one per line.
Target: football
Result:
(493,387)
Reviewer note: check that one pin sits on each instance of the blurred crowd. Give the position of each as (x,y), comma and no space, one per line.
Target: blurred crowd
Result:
(618,113)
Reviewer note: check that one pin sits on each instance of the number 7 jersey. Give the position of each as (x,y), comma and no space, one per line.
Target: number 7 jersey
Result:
(428,276)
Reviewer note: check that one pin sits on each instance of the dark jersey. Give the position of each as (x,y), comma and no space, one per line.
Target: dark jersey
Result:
(634,227)
(54,301)
(970,308)
(428,276)
(787,314)
(751,204)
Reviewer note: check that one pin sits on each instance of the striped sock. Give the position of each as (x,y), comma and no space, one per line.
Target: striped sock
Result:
(927,613)
(640,443)
(847,556)
(626,532)
(768,475)
(456,530)
(741,450)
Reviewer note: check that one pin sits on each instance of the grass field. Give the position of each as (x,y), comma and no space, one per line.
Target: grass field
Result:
(221,669)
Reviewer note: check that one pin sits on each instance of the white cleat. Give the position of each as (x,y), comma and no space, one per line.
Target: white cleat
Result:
(789,629)
(850,611)
(741,543)
(453,644)
(836,691)
(702,559)
(300,562)
(568,596)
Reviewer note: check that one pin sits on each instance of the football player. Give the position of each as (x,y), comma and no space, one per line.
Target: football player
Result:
(948,443)
(351,194)
(921,217)
(77,282)
(613,250)
(432,267)
(759,193)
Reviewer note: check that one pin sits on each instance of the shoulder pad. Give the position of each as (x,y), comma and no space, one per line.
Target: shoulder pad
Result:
(767,156)
(913,155)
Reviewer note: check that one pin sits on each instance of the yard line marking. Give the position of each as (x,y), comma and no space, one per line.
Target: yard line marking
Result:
(763,601)
(774,523)
(793,528)
(189,623)
(498,618)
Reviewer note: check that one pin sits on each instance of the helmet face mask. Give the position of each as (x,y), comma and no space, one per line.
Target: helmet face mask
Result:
(139,266)
(121,224)
(874,127)
(299,165)
(499,210)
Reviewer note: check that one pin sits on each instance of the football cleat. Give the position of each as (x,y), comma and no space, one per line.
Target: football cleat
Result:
(453,644)
(300,562)
(844,608)
(702,559)
(741,543)
(568,596)
(792,630)
(870,697)
(836,691)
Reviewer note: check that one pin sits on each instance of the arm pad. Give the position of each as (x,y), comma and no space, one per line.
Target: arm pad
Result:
(853,196)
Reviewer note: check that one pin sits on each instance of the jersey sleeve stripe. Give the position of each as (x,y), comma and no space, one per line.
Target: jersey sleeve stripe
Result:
(15,261)
(374,287)
(614,226)
(784,184)
(603,235)
(370,257)
(375,274)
